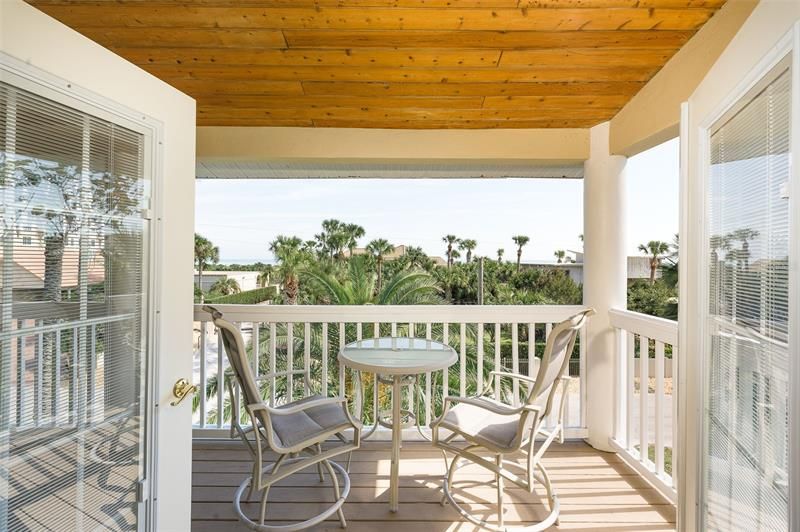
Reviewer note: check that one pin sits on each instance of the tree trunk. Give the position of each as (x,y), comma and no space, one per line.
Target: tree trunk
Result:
(53,272)
(653,268)
(380,273)
(519,258)
(200,282)
(291,288)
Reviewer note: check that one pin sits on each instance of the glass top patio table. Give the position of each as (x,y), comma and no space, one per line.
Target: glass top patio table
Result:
(396,357)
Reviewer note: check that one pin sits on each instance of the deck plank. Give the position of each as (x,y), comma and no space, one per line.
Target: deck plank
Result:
(597,492)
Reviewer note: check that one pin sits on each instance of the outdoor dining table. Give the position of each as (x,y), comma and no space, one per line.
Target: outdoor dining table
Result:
(397,358)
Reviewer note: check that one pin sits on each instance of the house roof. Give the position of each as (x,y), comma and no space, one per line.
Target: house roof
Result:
(396,63)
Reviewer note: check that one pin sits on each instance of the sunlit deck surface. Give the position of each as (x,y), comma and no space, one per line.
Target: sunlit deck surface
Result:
(597,491)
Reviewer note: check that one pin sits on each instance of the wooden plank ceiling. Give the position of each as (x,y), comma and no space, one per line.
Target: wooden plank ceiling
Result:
(395,63)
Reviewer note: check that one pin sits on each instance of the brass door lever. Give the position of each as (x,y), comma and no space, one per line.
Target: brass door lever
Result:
(181,390)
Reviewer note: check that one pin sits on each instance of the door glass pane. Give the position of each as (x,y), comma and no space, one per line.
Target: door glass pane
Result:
(73,340)
(747,409)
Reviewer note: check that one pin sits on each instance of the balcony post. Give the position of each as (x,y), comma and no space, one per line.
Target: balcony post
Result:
(605,278)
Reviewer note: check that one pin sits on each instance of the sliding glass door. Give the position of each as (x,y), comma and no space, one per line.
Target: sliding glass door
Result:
(74,335)
(747,358)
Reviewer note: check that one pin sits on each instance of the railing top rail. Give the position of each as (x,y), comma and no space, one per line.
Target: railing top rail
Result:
(655,328)
(393,313)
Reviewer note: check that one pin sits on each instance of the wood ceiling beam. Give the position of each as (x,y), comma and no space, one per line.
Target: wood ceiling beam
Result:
(411,75)
(618,88)
(507,40)
(347,18)
(660,4)
(410,58)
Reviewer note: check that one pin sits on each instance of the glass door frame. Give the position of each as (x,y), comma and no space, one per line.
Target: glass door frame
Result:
(26,77)
(695,262)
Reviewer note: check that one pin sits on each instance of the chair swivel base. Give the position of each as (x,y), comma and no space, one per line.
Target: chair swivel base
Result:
(301,525)
(544,524)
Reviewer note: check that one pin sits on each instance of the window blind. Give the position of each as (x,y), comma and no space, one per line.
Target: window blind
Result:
(72,342)
(747,409)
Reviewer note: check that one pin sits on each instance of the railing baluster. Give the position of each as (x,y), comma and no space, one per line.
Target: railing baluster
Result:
(479,385)
(307,356)
(619,380)
(428,386)
(92,372)
(57,378)
(341,367)
(376,330)
(644,356)
(39,378)
(445,371)
(324,359)
(73,404)
(358,331)
(497,361)
(203,379)
(289,362)
(659,408)
(256,347)
(234,383)
(462,369)
(629,385)
(20,341)
(273,361)
(515,360)
(394,329)
(582,375)
(674,437)
(220,379)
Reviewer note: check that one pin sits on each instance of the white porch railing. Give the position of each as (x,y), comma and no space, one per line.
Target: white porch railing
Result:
(646,428)
(282,337)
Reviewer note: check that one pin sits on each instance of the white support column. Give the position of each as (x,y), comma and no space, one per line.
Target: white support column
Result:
(605,277)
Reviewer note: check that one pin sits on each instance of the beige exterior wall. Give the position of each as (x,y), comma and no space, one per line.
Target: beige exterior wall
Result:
(653,114)
(265,143)
(43,43)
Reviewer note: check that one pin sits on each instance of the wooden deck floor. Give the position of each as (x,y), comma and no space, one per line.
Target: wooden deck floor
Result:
(597,492)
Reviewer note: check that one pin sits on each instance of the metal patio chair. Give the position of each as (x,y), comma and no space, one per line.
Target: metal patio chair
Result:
(502,429)
(294,431)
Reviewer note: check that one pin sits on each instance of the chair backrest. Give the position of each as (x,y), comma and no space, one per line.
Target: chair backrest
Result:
(555,360)
(237,356)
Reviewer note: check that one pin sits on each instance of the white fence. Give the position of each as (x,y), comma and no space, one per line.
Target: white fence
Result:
(646,428)
(282,337)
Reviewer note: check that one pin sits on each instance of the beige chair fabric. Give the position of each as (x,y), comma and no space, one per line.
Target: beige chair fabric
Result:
(295,431)
(503,428)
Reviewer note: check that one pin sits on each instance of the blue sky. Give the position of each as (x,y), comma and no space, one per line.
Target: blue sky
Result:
(243,216)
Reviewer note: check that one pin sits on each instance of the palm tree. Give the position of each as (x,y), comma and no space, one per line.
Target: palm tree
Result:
(467,244)
(407,287)
(205,253)
(744,236)
(450,240)
(263,276)
(520,241)
(560,255)
(379,248)
(226,287)
(655,249)
(291,258)
(353,232)
(500,254)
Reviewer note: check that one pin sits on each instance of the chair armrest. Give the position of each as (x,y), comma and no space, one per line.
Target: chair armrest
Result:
(486,405)
(515,376)
(297,408)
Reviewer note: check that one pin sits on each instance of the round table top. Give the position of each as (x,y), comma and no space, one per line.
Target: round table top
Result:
(397,356)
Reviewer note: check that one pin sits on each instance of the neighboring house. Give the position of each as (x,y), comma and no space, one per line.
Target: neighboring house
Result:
(638,267)
(396,253)
(247,280)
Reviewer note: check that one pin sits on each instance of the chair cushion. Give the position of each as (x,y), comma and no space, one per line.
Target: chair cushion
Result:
(481,426)
(309,426)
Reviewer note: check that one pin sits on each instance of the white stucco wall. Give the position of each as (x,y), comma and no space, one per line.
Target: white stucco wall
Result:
(31,36)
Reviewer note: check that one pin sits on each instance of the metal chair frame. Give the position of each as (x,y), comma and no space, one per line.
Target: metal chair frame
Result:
(291,458)
(530,425)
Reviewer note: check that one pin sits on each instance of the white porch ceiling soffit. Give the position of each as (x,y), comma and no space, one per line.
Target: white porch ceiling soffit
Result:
(389,169)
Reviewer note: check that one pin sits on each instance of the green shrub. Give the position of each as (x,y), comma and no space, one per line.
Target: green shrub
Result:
(250,297)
